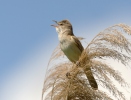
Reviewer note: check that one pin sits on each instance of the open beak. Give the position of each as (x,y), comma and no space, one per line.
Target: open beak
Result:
(55,25)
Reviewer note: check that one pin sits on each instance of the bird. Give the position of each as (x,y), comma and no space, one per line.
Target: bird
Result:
(72,47)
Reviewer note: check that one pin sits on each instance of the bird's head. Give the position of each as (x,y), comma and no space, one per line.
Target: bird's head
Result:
(62,26)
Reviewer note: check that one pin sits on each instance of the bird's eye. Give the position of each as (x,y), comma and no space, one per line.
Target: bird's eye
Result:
(61,24)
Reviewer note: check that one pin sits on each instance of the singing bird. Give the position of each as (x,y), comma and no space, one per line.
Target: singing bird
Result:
(72,47)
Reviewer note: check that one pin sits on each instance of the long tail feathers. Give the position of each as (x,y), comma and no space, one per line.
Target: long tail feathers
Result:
(91,78)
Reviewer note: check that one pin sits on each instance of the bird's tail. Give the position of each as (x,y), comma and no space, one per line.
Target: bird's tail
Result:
(91,78)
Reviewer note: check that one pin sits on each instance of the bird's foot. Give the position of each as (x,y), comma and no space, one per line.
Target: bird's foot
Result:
(77,63)
(68,75)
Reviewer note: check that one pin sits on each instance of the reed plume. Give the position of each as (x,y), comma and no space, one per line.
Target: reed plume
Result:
(66,81)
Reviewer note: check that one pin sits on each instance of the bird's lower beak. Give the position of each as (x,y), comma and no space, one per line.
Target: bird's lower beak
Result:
(54,25)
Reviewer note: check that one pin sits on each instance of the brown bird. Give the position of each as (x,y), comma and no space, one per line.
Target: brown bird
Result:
(72,47)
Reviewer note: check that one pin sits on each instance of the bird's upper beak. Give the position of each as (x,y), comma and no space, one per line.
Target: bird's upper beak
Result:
(56,23)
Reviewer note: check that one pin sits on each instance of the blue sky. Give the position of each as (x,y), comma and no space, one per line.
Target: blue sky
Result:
(27,39)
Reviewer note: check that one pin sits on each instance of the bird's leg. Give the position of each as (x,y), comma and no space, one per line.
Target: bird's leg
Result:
(69,74)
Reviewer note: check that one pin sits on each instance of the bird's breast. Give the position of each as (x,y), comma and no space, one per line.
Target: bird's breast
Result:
(69,48)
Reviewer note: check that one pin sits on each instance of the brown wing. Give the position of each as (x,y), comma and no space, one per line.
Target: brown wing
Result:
(78,43)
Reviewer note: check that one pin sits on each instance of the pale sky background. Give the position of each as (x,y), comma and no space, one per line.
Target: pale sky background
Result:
(27,39)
